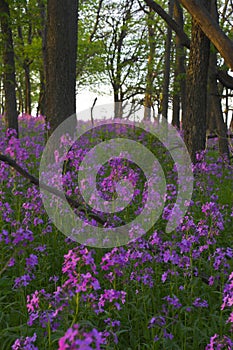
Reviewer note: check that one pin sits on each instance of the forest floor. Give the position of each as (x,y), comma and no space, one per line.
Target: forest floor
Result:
(160,291)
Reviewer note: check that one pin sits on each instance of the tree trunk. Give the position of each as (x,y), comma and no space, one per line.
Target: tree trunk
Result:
(117,90)
(41,101)
(220,126)
(118,105)
(215,96)
(148,101)
(11,114)
(211,126)
(26,66)
(60,61)
(42,33)
(27,94)
(227,106)
(196,90)
(167,64)
(20,98)
(1,96)
(231,124)
(180,71)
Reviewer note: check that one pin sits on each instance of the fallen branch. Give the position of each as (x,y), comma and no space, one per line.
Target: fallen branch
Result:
(81,207)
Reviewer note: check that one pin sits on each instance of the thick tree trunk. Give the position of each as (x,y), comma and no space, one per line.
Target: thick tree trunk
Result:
(196,90)
(11,114)
(60,61)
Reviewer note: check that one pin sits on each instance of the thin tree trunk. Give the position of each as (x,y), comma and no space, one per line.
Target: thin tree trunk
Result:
(231,123)
(211,126)
(148,102)
(11,114)
(227,106)
(179,74)
(27,63)
(20,99)
(167,64)
(26,68)
(220,126)
(1,96)
(41,101)
(28,101)
(215,96)
(42,33)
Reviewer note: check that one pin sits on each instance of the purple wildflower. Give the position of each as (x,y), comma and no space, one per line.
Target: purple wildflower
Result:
(200,303)
(25,343)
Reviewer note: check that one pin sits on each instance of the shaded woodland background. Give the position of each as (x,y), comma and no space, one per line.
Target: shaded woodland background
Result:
(164,55)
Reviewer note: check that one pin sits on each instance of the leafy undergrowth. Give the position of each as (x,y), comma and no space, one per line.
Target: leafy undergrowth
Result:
(161,291)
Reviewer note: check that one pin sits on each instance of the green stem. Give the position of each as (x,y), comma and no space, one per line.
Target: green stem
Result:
(76,309)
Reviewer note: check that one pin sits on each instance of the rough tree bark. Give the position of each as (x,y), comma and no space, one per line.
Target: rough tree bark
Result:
(60,61)
(196,90)
(9,82)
